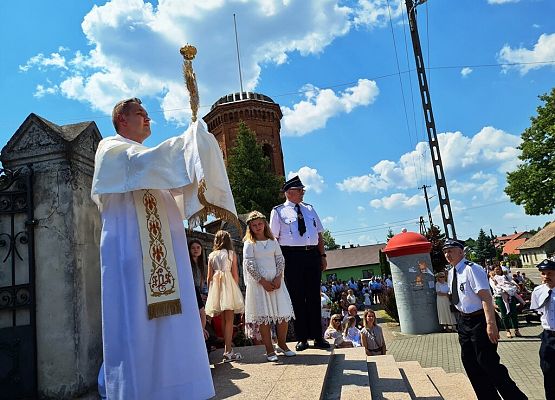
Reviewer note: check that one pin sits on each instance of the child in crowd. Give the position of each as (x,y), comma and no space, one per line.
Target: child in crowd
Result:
(367,300)
(198,266)
(334,332)
(267,298)
(351,298)
(224,295)
(351,332)
(372,335)
(502,285)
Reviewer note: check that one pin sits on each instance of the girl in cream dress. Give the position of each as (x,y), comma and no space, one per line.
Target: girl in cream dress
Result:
(224,295)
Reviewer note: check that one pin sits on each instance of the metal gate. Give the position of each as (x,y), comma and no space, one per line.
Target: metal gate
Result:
(18,347)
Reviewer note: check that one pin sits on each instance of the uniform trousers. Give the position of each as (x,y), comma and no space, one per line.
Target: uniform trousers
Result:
(481,361)
(302,278)
(547,363)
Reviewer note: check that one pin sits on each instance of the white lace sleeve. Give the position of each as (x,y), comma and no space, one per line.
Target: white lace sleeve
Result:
(249,262)
(280,261)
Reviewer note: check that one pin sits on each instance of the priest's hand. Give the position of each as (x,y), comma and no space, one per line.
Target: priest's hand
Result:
(277,282)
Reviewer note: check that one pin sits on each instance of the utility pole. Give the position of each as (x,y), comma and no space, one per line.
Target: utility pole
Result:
(441,184)
(427,204)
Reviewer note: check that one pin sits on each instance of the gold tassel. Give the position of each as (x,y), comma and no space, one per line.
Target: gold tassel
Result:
(164,309)
(211,209)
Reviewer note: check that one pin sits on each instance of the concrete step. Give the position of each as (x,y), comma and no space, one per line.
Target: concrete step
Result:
(386,381)
(419,384)
(454,386)
(347,376)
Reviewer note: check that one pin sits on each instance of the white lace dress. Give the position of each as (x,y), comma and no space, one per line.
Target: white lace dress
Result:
(263,259)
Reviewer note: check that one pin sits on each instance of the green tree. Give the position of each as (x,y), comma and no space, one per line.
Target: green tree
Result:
(533,183)
(484,248)
(329,241)
(437,239)
(254,185)
(390,234)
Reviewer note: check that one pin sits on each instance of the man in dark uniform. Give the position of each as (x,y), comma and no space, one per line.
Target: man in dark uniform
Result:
(543,300)
(477,328)
(298,229)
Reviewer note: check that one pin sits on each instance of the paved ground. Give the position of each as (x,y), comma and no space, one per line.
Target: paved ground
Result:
(520,355)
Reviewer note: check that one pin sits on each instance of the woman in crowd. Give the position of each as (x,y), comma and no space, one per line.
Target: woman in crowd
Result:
(334,332)
(224,295)
(351,298)
(267,299)
(344,304)
(197,264)
(444,314)
(325,306)
(372,335)
(504,301)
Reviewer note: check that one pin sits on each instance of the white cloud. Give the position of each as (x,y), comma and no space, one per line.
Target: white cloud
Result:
(135,49)
(328,220)
(490,149)
(322,104)
(41,91)
(502,1)
(398,200)
(466,71)
(377,12)
(55,60)
(544,50)
(310,178)
(512,216)
(485,184)
(361,209)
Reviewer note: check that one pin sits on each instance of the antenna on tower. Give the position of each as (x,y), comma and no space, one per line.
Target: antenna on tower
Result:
(238,58)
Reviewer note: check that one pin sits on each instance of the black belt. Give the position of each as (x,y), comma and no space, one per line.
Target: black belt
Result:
(549,333)
(299,248)
(473,314)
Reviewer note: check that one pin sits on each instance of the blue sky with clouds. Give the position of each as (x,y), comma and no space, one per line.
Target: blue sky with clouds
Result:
(343,73)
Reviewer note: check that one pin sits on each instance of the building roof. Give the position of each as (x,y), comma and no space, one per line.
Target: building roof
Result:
(511,247)
(354,256)
(540,238)
(501,240)
(241,96)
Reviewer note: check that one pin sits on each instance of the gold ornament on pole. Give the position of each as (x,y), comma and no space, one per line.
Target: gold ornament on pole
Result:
(189,52)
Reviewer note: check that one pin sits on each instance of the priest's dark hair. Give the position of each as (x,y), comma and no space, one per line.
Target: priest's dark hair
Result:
(121,107)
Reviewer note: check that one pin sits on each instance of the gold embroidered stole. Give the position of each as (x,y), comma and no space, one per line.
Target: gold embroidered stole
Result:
(159,266)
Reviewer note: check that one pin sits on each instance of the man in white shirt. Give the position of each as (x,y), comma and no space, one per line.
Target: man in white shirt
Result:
(477,328)
(153,341)
(298,229)
(543,300)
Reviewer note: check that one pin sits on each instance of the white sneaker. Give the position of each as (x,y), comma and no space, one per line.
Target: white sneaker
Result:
(232,356)
(272,357)
(287,353)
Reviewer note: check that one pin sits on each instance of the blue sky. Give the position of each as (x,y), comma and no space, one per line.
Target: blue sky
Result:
(352,126)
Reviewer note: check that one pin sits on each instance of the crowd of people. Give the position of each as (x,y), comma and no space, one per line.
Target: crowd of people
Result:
(149,283)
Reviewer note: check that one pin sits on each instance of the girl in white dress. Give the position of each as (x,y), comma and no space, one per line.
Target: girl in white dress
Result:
(224,295)
(267,298)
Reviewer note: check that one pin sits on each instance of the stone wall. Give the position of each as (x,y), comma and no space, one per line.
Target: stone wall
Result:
(67,236)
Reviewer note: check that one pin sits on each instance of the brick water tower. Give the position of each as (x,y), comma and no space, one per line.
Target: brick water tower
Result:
(259,112)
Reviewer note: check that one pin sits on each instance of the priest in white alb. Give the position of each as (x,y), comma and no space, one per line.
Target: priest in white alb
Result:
(153,342)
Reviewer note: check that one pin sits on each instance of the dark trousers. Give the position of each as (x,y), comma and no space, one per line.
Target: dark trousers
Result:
(547,363)
(481,361)
(302,278)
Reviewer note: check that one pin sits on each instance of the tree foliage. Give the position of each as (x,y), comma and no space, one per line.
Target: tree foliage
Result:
(254,185)
(329,241)
(484,248)
(437,239)
(532,184)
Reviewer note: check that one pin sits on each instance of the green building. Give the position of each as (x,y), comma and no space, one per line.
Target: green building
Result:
(358,262)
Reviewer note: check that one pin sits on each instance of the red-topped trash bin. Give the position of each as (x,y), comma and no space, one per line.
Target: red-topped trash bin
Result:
(408,254)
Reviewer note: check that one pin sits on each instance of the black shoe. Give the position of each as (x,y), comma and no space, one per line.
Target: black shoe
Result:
(321,344)
(301,346)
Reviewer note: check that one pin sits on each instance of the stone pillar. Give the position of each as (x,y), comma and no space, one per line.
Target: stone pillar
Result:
(67,237)
(414,282)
